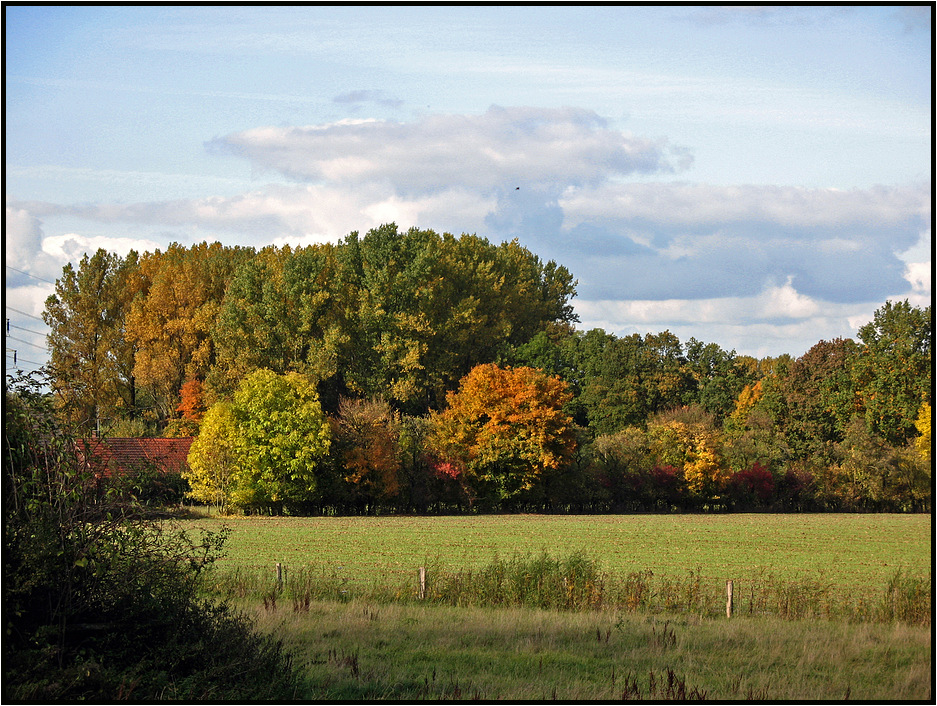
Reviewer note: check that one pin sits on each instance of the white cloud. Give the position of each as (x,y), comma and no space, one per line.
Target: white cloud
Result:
(494,151)
(785,302)
(776,320)
(71,247)
(22,237)
(697,204)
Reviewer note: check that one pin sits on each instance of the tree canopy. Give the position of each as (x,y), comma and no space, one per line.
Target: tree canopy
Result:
(411,345)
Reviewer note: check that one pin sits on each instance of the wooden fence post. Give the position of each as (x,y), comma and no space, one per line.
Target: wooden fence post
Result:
(728,599)
(279,576)
(422,582)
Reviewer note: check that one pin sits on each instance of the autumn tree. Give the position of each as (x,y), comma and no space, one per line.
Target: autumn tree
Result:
(924,440)
(171,322)
(687,438)
(214,457)
(504,429)
(365,437)
(91,360)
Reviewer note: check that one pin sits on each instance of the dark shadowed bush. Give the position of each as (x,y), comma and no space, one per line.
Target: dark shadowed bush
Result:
(99,603)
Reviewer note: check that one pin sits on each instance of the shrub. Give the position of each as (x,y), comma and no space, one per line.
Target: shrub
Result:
(753,487)
(100,603)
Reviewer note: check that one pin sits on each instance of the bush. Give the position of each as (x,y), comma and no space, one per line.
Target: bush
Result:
(100,603)
(751,488)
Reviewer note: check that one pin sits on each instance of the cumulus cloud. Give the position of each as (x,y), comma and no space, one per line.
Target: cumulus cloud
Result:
(703,241)
(22,236)
(498,150)
(72,247)
(775,320)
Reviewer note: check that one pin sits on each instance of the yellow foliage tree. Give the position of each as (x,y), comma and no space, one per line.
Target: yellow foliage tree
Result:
(923,442)
(504,428)
(687,441)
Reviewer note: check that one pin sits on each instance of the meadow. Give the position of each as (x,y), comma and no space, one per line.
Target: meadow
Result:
(853,553)
(637,609)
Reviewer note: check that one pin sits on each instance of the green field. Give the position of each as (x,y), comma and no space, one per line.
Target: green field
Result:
(364,645)
(363,651)
(852,552)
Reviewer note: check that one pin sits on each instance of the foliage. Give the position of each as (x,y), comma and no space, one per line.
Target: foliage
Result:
(504,429)
(629,379)
(366,437)
(148,344)
(924,441)
(752,487)
(171,322)
(687,439)
(214,457)
(893,372)
(101,603)
(266,449)
(90,358)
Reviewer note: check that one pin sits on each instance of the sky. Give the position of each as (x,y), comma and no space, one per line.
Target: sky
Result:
(758,177)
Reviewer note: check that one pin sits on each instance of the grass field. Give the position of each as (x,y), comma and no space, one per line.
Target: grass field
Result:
(361,651)
(370,645)
(854,553)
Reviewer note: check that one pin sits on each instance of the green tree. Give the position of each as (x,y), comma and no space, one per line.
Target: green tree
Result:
(626,380)
(283,310)
(718,377)
(893,370)
(282,440)
(400,314)
(818,398)
(91,360)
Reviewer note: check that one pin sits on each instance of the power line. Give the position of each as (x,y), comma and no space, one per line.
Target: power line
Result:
(17,360)
(28,274)
(20,340)
(21,328)
(31,316)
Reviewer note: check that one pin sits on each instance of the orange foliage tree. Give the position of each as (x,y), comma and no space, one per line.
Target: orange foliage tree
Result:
(503,429)
(365,434)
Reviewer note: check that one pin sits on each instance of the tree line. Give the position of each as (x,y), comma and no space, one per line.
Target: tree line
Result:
(413,371)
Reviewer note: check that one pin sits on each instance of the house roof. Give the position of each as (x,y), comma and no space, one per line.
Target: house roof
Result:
(123,455)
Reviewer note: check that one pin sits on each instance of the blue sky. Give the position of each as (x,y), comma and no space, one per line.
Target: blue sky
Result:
(752,176)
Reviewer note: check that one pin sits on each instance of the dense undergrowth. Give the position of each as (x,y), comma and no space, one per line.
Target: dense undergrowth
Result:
(101,602)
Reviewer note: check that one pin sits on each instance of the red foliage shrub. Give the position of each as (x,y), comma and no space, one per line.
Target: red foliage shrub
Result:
(753,484)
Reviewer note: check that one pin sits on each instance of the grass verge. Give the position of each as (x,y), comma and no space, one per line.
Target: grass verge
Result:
(364,650)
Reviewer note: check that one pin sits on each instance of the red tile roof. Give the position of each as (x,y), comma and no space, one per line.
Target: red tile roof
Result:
(127,455)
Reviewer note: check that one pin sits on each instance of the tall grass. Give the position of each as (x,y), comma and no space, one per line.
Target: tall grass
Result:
(579,583)
(363,650)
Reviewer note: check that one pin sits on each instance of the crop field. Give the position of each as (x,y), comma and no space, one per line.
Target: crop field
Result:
(855,553)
